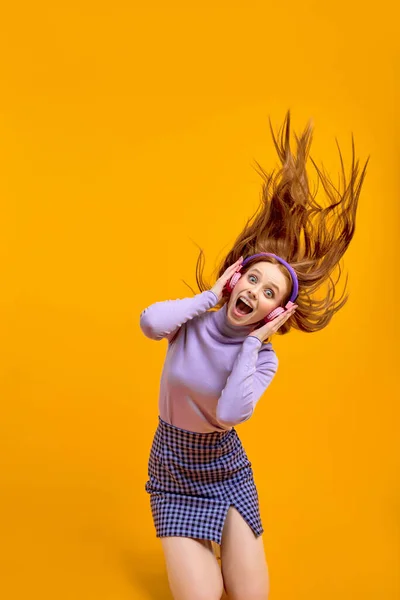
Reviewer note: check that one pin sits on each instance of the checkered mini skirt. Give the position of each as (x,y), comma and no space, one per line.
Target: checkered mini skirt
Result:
(194,478)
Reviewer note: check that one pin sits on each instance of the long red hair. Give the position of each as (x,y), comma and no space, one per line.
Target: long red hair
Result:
(292,223)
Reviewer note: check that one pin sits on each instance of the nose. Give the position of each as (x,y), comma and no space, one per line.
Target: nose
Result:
(252,294)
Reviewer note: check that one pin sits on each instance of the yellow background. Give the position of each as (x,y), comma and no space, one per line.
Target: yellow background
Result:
(126,132)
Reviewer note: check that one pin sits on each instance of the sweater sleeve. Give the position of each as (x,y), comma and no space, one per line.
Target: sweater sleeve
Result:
(251,374)
(163,319)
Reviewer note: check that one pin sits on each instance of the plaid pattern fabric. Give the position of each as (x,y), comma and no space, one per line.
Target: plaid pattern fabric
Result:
(193,480)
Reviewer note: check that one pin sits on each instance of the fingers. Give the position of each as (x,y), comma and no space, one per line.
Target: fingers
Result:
(233,268)
(236,264)
(279,321)
(273,326)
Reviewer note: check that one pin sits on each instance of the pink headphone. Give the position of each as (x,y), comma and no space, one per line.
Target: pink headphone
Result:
(279,310)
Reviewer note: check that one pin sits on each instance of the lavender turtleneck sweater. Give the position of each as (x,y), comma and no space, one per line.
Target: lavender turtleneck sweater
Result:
(214,373)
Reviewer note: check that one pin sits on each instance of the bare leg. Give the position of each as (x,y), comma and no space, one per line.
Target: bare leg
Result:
(193,570)
(244,566)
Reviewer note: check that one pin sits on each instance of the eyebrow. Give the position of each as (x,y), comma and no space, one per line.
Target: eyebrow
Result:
(271,284)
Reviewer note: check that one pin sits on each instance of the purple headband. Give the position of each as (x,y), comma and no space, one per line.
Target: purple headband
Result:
(295,282)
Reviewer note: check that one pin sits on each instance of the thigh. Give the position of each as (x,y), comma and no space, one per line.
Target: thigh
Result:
(193,570)
(244,566)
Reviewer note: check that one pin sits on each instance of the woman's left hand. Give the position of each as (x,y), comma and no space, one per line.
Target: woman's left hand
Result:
(265,331)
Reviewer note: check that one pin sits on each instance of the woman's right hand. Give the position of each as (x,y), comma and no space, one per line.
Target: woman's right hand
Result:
(219,285)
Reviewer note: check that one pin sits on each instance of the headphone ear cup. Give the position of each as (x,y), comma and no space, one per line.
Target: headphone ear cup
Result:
(233,281)
(275,313)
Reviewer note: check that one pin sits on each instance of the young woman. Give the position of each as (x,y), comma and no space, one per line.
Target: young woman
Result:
(220,361)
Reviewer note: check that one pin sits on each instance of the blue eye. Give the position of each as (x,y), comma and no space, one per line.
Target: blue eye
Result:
(268,292)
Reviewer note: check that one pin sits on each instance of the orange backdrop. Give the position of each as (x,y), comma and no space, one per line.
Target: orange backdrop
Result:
(126,132)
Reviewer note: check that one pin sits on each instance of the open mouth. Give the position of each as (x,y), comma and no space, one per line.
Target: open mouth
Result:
(242,307)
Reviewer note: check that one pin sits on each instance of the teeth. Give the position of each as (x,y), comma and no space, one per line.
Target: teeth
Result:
(245,301)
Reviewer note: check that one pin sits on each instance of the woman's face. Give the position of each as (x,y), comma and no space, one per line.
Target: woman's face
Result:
(258,292)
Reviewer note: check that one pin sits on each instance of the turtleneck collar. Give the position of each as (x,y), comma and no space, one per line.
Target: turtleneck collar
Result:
(222,324)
